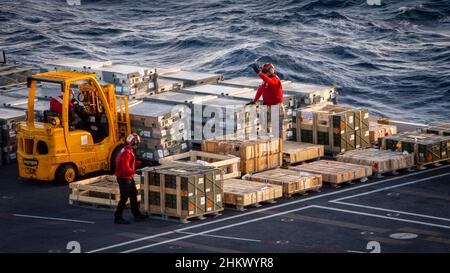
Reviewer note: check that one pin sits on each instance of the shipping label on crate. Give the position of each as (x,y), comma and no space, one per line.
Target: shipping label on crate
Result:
(307,115)
(201,180)
(218,198)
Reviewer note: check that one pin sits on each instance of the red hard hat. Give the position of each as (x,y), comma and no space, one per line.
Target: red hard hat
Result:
(133,139)
(267,66)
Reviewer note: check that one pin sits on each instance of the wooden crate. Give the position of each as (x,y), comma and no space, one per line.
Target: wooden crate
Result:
(427,148)
(338,128)
(292,181)
(243,193)
(295,152)
(229,164)
(335,172)
(377,130)
(183,191)
(256,155)
(438,128)
(100,191)
(381,161)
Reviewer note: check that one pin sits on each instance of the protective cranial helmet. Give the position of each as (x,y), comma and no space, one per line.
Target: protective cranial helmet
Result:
(133,140)
(266,67)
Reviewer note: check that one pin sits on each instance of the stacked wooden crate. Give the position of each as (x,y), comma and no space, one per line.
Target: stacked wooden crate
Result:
(229,164)
(438,128)
(377,130)
(8,139)
(244,193)
(191,78)
(222,116)
(335,172)
(100,191)
(292,181)
(164,85)
(162,129)
(182,191)
(338,128)
(256,155)
(130,80)
(427,148)
(381,161)
(295,152)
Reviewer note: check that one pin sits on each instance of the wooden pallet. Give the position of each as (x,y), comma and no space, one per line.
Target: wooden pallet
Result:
(293,182)
(295,152)
(381,161)
(229,164)
(243,193)
(335,172)
(180,219)
(98,192)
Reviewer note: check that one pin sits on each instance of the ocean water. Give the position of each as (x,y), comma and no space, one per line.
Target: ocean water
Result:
(393,58)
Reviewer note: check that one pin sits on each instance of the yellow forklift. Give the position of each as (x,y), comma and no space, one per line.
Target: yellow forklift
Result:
(84,136)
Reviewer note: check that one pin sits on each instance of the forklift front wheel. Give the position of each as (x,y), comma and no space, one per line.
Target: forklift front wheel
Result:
(66,173)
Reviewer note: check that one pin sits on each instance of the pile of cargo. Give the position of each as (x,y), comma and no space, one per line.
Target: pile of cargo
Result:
(162,129)
(182,191)
(129,80)
(438,128)
(229,164)
(338,128)
(381,161)
(377,130)
(295,152)
(335,172)
(292,181)
(244,193)
(8,139)
(427,148)
(256,155)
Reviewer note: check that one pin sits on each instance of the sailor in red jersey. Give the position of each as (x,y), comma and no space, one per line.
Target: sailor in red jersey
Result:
(125,169)
(271,89)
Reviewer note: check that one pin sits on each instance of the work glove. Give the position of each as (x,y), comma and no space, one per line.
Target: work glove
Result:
(250,103)
(256,68)
(138,172)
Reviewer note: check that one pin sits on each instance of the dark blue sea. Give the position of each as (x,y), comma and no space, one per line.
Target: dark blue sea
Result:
(393,58)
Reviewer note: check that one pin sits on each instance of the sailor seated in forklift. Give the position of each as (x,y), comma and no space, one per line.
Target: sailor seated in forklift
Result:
(80,117)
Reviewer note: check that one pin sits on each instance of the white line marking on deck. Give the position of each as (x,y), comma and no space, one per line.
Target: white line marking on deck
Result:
(215,229)
(382,216)
(222,237)
(269,208)
(355,251)
(396,211)
(391,187)
(53,219)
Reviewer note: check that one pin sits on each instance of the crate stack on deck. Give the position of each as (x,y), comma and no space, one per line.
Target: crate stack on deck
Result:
(162,129)
(129,80)
(182,191)
(8,138)
(256,155)
(426,148)
(338,128)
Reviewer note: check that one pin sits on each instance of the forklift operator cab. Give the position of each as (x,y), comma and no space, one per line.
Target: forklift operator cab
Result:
(84,138)
(86,111)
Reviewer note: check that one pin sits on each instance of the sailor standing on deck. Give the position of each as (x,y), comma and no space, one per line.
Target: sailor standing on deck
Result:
(125,169)
(271,89)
